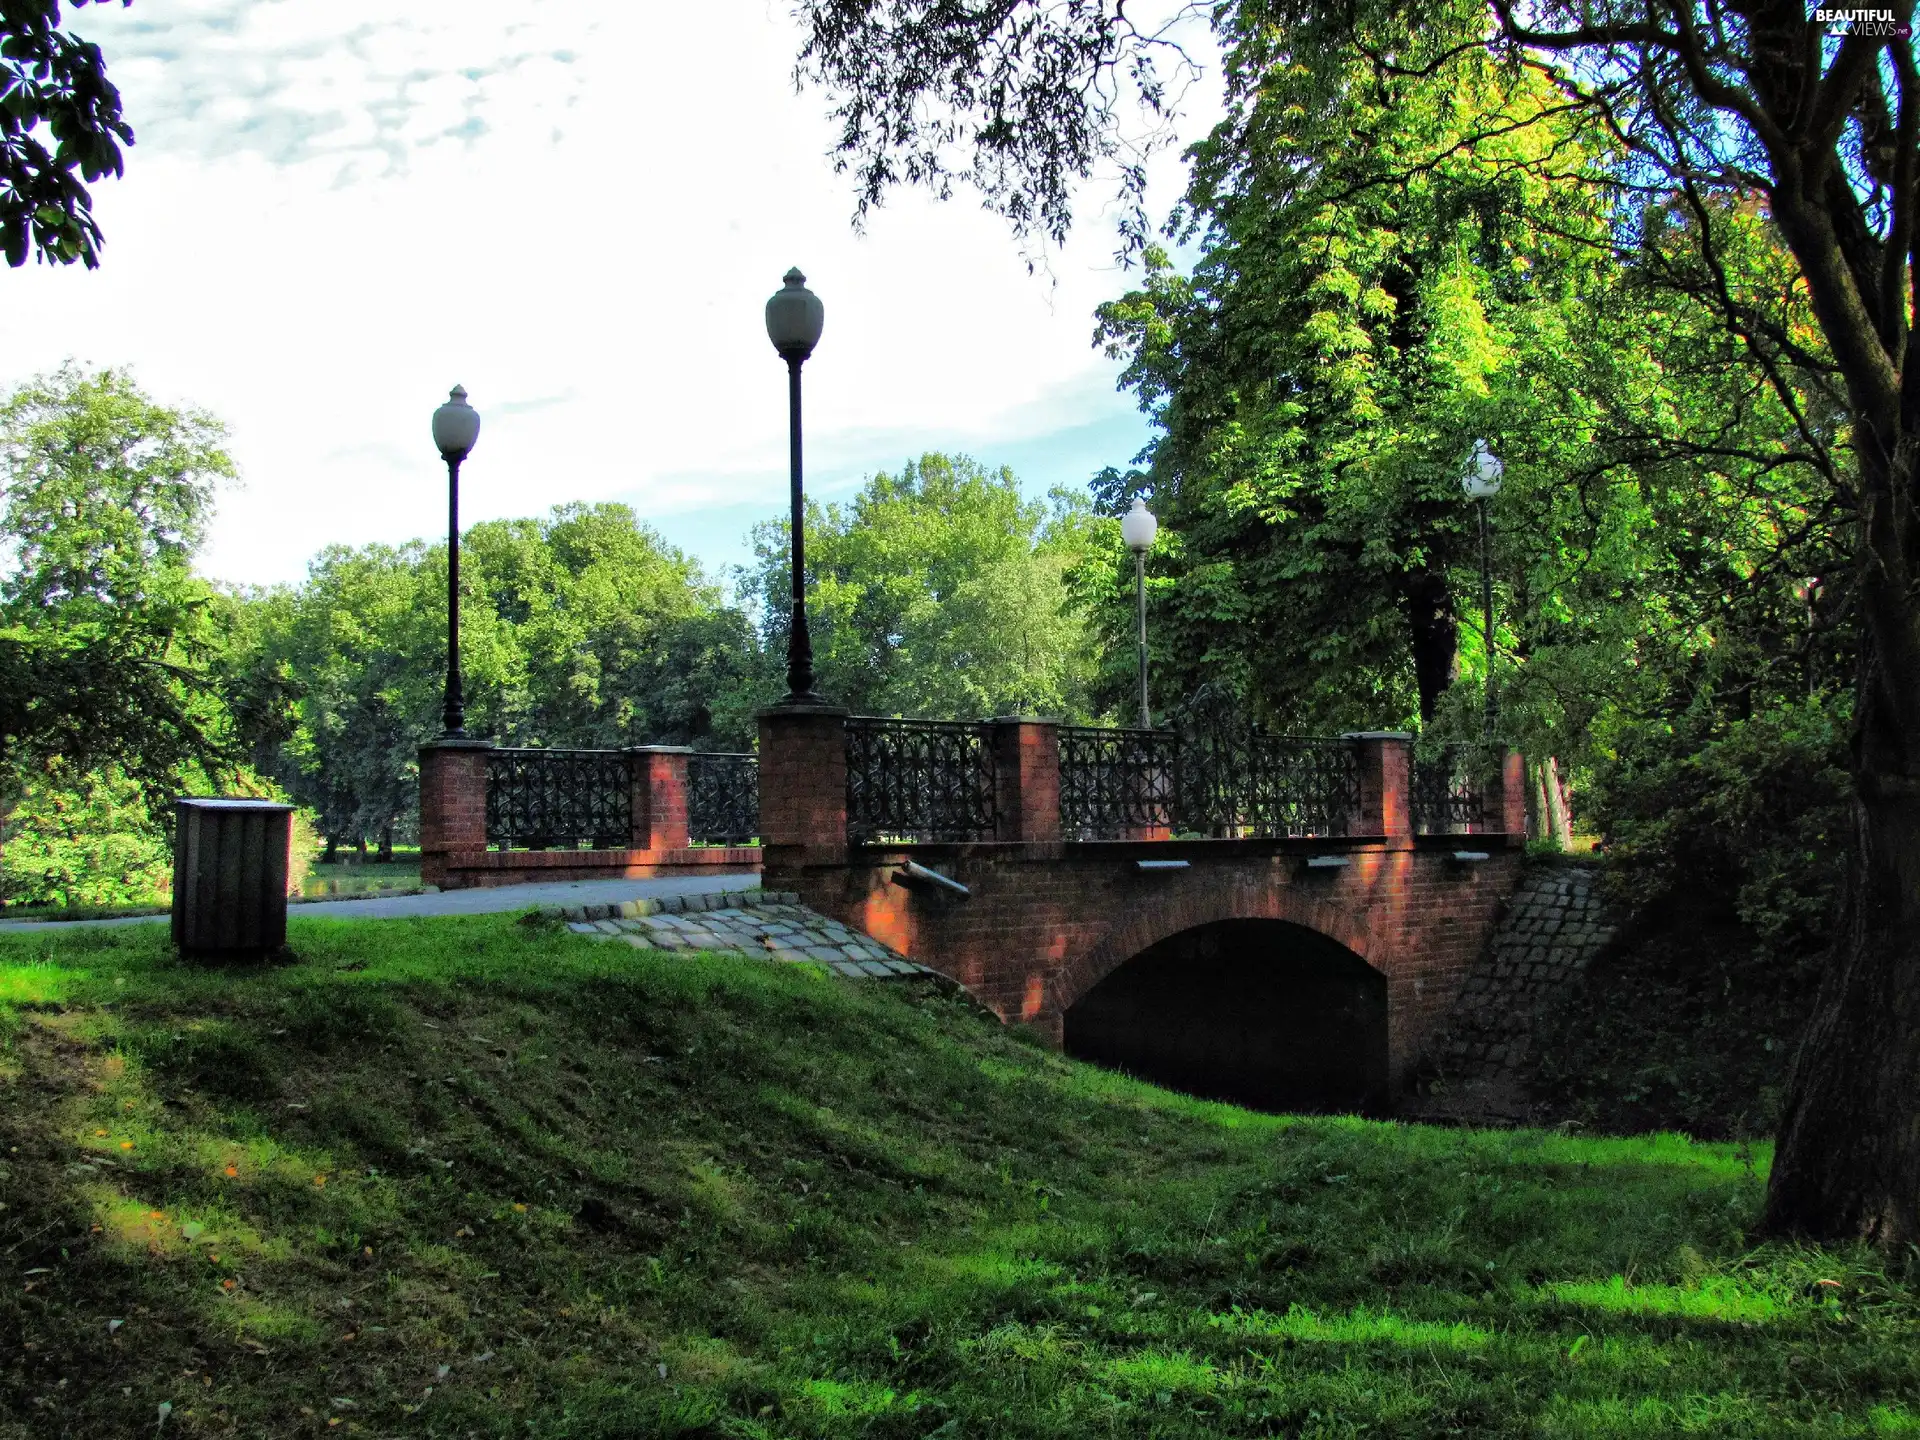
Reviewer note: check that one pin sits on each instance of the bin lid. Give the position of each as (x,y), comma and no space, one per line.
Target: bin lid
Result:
(224,802)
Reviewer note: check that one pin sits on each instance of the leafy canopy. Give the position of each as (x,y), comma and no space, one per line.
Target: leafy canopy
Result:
(53,87)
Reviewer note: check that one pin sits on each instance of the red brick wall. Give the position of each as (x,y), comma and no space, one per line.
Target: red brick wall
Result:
(1047,921)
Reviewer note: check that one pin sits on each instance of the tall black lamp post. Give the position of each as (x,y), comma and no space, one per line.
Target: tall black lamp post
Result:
(794,320)
(1137,528)
(456,425)
(1482,483)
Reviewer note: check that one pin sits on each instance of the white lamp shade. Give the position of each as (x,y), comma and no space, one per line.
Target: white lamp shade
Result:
(795,317)
(1482,480)
(1138,527)
(456,425)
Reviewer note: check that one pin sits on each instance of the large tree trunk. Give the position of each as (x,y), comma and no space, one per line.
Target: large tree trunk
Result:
(1436,636)
(1550,804)
(1847,1165)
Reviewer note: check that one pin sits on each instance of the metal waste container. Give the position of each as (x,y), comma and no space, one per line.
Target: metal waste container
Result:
(230,876)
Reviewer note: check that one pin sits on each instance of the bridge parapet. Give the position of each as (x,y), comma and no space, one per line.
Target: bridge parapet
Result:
(830,780)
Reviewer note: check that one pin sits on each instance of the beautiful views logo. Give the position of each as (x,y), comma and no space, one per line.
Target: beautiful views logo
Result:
(1861,22)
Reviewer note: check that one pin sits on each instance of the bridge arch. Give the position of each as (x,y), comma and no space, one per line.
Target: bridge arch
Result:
(1151,919)
(1261,1012)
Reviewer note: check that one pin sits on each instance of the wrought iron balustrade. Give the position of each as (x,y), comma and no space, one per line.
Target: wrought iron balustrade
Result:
(1243,783)
(723,798)
(1446,791)
(1116,782)
(559,799)
(919,780)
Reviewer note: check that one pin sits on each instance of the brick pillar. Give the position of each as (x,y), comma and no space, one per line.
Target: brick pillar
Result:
(1386,781)
(1506,798)
(803,784)
(659,775)
(453,804)
(1026,766)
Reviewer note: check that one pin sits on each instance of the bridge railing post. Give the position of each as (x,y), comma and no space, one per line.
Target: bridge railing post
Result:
(1505,804)
(1026,764)
(1386,786)
(803,784)
(659,778)
(453,804)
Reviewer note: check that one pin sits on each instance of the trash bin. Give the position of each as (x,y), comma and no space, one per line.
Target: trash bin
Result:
(230,876)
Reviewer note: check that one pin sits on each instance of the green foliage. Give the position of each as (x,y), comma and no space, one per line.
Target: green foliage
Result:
(827,1209)
(53,85)
(939,592)
(1319,377)
(104,630)
(82,839)
(1754,810)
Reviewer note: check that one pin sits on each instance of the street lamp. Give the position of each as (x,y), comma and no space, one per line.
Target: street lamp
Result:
(794,320)
(1481,483)
(456,425)
(1137,528)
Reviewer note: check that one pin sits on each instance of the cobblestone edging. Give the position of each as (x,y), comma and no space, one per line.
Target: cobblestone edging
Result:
(760,924)
(1554,926)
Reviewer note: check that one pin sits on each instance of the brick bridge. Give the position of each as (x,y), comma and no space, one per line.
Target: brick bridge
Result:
(1302,958)
(1302,955)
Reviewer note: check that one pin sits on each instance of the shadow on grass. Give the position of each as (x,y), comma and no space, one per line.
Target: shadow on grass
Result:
(481,1176)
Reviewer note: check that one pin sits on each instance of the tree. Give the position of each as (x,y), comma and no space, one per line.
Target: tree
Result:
(938,592)
(106,640)
(1716,114)
(578,629)
(53,79)
(1318,379)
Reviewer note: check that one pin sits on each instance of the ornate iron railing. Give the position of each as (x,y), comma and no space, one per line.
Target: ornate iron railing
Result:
(559,799)
(1113,782)
(1445,790)
(919,780)
(723,798)
(1250,785)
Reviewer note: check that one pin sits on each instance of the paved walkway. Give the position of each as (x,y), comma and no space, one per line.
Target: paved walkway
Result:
(468,902)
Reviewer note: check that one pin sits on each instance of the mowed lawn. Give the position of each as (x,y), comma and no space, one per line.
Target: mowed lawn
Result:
(481,1177)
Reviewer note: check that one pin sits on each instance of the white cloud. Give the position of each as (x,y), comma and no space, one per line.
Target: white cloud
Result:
(337,209)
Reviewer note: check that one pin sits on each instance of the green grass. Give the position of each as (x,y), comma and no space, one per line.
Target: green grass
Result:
(481,1177)
(81,912)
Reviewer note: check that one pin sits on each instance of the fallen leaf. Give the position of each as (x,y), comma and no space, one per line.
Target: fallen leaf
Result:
(101,1134)
(233,1170)
(226,1284)
(126,1144)
(319,1179)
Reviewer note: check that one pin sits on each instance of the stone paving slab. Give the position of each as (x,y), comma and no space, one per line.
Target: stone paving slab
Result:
(758,924)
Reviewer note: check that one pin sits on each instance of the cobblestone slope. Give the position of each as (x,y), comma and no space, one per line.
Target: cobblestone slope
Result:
(1554,926)
(762,924)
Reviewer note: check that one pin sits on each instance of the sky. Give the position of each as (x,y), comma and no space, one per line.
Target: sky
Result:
(337,209)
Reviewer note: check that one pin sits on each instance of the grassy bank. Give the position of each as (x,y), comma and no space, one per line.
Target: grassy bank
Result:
(474,1177)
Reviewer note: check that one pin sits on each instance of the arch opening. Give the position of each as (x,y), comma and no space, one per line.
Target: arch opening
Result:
(1262,1013)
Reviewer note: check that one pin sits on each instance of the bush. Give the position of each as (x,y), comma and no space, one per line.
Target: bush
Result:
(85,839)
